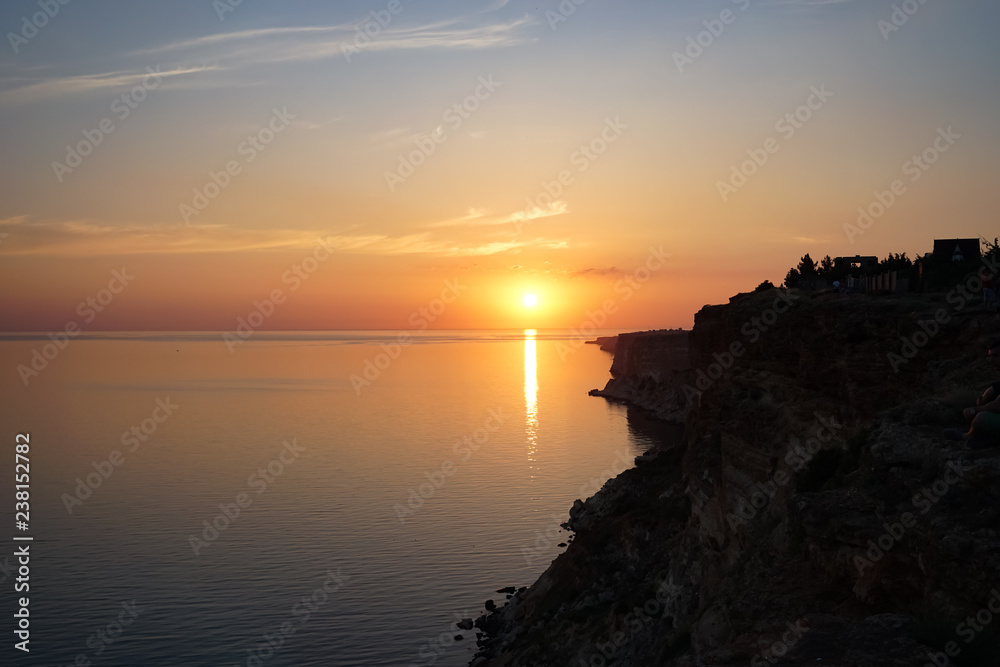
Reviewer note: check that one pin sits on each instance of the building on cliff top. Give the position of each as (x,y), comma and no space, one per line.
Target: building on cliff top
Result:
(957,250)
(864,263)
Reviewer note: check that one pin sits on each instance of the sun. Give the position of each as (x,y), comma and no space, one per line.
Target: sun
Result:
(530,300)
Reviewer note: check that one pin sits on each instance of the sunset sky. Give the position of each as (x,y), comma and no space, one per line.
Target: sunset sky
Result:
(313,122)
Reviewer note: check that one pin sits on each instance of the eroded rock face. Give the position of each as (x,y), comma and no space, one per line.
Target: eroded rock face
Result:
(811,514)
(646,372)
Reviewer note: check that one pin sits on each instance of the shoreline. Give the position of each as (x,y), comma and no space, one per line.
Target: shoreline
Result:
(794,450)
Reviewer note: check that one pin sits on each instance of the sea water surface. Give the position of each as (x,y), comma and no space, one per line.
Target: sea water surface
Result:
(374,515)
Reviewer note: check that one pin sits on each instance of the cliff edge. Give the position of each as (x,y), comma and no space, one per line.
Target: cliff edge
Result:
(813,512)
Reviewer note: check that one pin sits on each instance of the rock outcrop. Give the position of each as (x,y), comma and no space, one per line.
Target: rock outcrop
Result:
(606,343)
(648,371)
(812,513)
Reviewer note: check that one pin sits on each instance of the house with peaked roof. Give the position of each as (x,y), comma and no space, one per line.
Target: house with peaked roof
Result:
(957,250)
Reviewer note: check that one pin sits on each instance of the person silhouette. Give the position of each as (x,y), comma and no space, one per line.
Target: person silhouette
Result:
(984,418)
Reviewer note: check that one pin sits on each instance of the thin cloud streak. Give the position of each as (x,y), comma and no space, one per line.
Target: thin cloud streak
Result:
(309,43)
(233,50)
(84,238)
(483,218)
(74,85)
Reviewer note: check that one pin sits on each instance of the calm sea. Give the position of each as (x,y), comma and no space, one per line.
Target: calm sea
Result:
(193,506)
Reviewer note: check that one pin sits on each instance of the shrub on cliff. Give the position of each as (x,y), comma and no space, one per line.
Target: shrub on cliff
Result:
(764,286)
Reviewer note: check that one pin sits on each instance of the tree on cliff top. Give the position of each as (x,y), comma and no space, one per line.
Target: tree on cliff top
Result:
(807,267)
(897,262)
(991,249)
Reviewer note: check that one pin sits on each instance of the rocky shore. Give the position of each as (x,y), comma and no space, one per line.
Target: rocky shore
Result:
(812,512)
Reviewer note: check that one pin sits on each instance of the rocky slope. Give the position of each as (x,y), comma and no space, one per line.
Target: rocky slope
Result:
(811,514)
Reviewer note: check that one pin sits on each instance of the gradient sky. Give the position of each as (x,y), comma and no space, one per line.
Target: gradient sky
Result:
(464,213)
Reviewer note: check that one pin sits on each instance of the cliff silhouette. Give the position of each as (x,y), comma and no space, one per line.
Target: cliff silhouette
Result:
(812,513)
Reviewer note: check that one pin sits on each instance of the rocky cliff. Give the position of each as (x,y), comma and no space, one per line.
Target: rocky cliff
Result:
(649,371)
(812,513)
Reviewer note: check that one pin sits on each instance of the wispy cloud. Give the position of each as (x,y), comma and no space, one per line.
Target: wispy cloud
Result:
(317,125)
(231,51)
(308,43)
(224,38)
(558,207)
(78,238)
(483,217)
(602,273)
(392,136)
(43,88)
(497,4)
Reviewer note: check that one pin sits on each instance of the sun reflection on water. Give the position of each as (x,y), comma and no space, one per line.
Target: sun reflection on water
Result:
(530,397)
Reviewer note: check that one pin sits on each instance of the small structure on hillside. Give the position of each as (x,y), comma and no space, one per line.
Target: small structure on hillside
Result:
(957,250)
